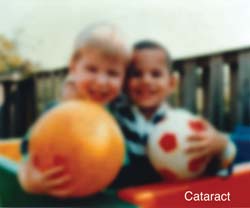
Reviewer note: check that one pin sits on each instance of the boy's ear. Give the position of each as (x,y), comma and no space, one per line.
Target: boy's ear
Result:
(72,65)
(173,80)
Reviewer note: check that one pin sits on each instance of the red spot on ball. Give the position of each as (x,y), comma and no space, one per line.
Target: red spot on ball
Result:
(197,125)
(195,164)
(168,174)
(168,142)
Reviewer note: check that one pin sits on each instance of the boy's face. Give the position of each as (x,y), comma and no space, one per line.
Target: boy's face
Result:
(98,77)
(150,81)
(69,92)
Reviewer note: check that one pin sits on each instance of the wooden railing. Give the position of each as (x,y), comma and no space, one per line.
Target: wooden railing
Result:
(24,99)
(216,86)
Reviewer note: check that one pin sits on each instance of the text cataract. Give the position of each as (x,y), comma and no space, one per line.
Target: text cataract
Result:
(190,196)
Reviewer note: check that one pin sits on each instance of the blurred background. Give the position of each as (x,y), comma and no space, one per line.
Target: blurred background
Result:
(209,42)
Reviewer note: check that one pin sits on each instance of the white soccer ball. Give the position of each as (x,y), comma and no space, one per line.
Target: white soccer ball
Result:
(167,143)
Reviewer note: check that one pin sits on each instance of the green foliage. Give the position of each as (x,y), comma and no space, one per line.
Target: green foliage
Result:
(11,61)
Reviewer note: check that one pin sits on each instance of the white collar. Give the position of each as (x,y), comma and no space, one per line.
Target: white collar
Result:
(161,110)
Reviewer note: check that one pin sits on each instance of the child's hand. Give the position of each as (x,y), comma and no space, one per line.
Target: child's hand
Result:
(207,143)
(48,182)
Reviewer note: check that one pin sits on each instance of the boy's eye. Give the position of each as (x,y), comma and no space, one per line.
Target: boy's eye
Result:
(156,73)
(113,73)
(91,69)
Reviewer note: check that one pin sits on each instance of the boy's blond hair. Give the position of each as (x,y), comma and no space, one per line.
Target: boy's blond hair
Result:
(104,37)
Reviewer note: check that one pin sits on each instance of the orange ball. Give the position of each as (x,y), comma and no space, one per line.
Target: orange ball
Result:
(11,149)
(85,139)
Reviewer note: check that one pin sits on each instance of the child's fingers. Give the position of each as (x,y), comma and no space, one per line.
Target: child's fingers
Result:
(60,193)
(53,171)
(200,154)
(195,137)
(52,183)
(196,147)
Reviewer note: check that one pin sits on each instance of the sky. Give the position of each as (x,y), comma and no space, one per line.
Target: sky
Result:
(44,30)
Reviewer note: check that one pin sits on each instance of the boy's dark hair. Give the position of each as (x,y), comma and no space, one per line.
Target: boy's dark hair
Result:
(150,44)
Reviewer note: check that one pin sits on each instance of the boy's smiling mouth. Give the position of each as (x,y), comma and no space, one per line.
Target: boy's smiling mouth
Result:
(100,96)
(145,94)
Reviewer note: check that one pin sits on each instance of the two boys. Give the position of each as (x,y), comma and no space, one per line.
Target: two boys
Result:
(98,66)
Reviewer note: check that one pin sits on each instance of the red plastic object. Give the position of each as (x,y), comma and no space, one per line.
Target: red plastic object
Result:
(172,195)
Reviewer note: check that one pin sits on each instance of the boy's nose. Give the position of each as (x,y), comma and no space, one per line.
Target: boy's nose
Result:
(101,79)
(146,79)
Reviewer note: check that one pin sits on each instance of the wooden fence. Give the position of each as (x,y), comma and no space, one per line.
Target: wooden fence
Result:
(216,86)
(24,99)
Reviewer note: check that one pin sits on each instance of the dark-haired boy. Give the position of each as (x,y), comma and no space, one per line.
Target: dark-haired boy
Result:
(148,85)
